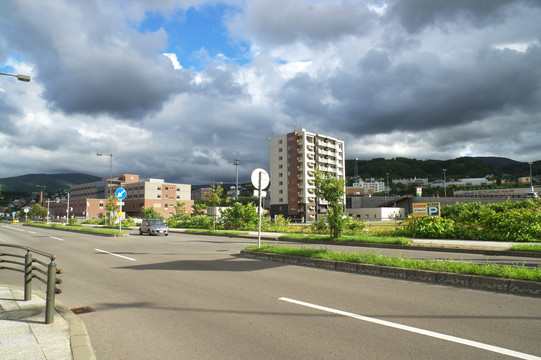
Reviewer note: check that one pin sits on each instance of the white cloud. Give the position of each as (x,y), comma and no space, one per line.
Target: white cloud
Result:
(174,60)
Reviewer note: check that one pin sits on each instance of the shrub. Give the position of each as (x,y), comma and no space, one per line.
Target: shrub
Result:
(319,227)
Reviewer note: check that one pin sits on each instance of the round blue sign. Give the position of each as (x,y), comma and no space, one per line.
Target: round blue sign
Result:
(121,193)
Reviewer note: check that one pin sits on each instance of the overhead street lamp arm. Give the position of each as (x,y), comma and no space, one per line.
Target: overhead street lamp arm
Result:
(19,77)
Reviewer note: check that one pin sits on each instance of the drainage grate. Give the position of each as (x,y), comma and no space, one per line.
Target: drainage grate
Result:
(82,310)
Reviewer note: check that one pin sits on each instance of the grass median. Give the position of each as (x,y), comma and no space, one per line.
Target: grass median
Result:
(365,238)
(519,272)
(78,228)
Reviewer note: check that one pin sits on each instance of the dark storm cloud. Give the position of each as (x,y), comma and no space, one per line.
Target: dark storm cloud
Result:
(288,21)
(382,97)
(415,15)
(92,67)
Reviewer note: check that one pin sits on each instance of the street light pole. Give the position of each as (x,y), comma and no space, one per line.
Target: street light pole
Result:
(19,77)
(237,163)
(531,179)
(444,183)
(110,175)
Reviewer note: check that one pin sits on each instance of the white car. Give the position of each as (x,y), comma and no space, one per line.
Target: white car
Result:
(153,227)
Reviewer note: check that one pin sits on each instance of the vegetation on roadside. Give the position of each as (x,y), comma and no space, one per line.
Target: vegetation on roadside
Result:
(363,238)
(77,228)
(519,272)
(524,247)
(331,189)
(518,221)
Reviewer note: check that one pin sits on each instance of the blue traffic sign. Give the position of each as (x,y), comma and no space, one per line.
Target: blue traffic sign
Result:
(121,193)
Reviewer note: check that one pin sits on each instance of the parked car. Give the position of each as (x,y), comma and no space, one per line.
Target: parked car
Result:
(153,227)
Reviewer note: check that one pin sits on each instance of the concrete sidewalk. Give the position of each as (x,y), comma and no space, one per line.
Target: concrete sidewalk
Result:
(25,336)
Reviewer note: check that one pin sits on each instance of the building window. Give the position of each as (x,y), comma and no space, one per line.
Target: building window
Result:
(279,149)
(159,188)
(279,158)
(280,175)
(291,138)
(291,147)
(289,173)
(291,164)
(279,166)
(159,196)
(166,196)
(279,141)
(280,183)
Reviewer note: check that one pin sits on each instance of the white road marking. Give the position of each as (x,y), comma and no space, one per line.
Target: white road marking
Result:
(32,232)
(110,253)
(59,239)
(433,334)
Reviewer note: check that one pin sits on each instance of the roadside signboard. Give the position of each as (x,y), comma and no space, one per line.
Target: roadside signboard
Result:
(121,193)
(426,209)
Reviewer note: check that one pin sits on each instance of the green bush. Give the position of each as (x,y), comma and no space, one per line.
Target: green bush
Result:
(319,227)
(278,224)
(519,221)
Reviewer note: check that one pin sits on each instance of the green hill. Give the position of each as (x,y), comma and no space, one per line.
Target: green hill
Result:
(463,167)
(53,182)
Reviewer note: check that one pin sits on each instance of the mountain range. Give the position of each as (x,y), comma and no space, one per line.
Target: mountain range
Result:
(397,168)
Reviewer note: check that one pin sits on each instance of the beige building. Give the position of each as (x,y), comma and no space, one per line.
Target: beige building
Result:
(294,158)
(150,193)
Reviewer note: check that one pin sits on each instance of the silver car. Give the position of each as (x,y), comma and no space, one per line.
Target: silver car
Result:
(153,227)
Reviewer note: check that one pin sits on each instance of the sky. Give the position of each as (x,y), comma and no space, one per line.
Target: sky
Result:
(178,89)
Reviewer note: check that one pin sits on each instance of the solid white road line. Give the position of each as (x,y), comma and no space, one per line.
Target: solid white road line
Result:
(110,253)
(59,239)
(436,335)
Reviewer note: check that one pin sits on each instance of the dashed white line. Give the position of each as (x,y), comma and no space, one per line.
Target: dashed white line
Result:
(56,238)
(110,253)
(433,334)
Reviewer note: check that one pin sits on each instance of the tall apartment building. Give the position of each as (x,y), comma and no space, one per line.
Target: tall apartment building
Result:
(294,158)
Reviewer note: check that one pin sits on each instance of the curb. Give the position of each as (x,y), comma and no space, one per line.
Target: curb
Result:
(518,287)
(81,349)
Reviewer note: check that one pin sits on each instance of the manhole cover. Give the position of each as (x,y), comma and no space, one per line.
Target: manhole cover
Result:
(82,310)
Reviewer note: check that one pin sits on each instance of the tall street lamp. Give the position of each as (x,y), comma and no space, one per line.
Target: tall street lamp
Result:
(110,173)
(531,179)
(19,77)
(444,183)
(237,163)
(108,182)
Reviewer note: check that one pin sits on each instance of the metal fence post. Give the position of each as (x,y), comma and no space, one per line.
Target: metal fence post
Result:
(51,282)
(28,276)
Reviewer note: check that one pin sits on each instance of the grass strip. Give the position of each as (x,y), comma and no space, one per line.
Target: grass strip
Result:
(523,247)
(365,238)
(77,228)
(216,232)
(519,272)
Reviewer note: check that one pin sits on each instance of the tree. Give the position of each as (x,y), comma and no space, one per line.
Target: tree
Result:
(151,213)
(38,210)
(198,208)
(111,207)
(216,198)
(180,209)
(331,189)
(240,216)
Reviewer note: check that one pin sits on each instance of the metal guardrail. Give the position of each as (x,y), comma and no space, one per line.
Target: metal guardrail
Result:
(30,272)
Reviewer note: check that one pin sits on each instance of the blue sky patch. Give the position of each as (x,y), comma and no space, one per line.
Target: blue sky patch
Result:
(195,29)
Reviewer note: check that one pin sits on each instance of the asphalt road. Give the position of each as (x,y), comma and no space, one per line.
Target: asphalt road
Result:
(191,297)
